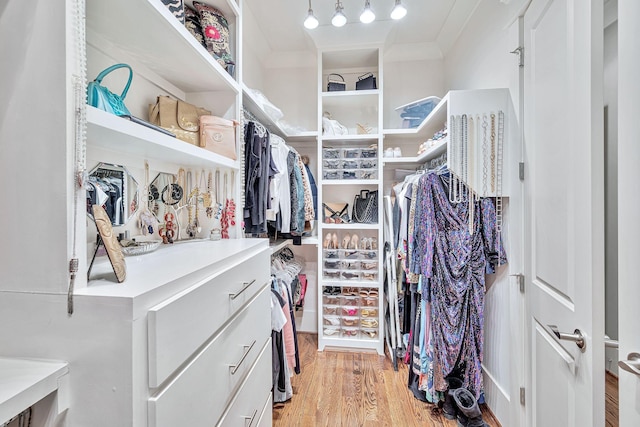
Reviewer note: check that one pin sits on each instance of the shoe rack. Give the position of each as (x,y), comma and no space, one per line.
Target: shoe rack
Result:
(350,291)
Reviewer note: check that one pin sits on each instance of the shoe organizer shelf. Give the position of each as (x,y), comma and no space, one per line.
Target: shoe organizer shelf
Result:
(349,262)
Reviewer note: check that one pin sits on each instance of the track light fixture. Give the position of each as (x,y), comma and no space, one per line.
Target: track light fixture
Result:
(339,19)
(311,22)
(399,11)
(367,15)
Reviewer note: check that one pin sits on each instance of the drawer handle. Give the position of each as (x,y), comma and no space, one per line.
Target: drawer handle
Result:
(234,368)
(246,285)
(250,419)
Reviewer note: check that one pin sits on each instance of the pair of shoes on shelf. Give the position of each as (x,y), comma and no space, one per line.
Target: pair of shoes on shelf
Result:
(350,241)
(330,241)
(462,405)
(393,152)
(369,243)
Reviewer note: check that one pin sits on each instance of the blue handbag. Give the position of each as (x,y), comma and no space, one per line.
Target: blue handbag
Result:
(100,97)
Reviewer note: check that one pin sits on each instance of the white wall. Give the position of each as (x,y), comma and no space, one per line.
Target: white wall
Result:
(611,192)
(481,58)
(294,90)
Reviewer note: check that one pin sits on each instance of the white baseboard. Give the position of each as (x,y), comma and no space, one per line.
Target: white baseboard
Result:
(497,398)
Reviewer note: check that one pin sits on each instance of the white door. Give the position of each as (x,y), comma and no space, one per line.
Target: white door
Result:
(628,206)
(564,211)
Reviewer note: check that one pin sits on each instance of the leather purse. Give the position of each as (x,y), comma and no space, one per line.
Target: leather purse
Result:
(335,83)
(102,98)
(219,135)
(335,213)
(366,82)
(365,207)
(178,117)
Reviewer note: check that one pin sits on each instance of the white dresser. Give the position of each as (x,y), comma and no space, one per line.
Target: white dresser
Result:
(184,341)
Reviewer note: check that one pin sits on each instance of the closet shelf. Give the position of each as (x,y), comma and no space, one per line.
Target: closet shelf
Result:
(351,182)
(354,100)
(114,133)
(350,93)
(374,284)
(26,382)
(437,149)
(253,105)
(430,125)
(281,244)
(350,226)
(167,48)
(351,138)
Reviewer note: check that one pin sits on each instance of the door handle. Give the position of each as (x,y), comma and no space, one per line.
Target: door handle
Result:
(576,336)
(632,364)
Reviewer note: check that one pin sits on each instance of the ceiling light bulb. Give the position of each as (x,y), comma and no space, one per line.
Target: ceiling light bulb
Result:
(311,22)
(399,11)
(367,16)
(339,19)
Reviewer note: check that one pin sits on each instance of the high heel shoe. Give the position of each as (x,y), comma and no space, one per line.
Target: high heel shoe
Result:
(345,241)
(354,243)
(327,241)
(334,241)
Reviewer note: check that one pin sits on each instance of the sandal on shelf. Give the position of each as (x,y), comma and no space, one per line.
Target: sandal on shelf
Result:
(353,244)
(345,241)
(349,276)
(365,243)
(330,331)
(374,243)
(373,292)
(371,265)
(369,323)
(364,292)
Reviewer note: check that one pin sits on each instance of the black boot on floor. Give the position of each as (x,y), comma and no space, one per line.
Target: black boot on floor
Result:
(469,414)
(449,409)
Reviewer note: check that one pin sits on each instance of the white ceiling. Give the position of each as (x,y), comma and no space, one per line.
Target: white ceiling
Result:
(428,31)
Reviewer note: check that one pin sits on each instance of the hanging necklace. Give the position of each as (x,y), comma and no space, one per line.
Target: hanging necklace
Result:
(224,221)
(217,211)
(189,188)
(485,148)
(494,152)
(207,198)
(231,208)
(499,180)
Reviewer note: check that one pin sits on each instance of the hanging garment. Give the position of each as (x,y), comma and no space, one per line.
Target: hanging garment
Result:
(279,190)
(314,191)
(454,262)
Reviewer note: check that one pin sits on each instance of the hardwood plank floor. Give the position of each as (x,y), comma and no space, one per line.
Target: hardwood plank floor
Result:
(611,400)
(341,388)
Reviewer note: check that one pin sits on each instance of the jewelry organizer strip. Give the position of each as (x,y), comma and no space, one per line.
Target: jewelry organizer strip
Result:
(499,166)
(79,82)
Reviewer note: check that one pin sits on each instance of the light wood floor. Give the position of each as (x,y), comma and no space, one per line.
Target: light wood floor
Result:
(338,388)
(611,402)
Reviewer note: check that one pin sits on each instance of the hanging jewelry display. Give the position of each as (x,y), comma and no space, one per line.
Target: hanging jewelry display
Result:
(471,172)
(224,220)
(147,220)
(231,203)
(217,205)
(207,198)
(492,157)
(452,157)
(499,165)
(485,149)
(191,232)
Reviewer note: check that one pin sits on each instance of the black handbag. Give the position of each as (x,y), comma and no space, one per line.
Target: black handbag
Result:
(336,83)
(366,82)
(365,207)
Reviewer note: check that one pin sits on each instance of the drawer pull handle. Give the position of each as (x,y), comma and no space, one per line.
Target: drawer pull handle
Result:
(250,419)
(234,368)
(246,285)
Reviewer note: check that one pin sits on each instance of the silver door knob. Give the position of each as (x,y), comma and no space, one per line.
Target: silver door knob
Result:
(632,364)
(576,336)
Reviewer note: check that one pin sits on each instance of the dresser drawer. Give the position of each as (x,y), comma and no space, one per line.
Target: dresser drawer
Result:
(179,326)
(266,418)
(249,403)
(198,395)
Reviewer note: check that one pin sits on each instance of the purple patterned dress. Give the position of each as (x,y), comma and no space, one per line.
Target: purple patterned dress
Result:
(454,263)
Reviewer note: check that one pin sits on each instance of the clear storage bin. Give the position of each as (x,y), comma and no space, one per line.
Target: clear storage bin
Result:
(331,163)
(369,322)
(350,321)
(349,310)
(349,173)
(351,153)
(368,153)
(368,163)
(331,310)
(350,275)
(330,253)
(329,331)
(330,299)
(331,153)
(350,332)
(368,254)
(331,274)
(367,173)
(369,265)
(367,312)
(350,254)
(350,264)
(331,320)
(369,275)
(332,174)
(350,164)
(368,333)
(368,301)
(349,300)
(332,264)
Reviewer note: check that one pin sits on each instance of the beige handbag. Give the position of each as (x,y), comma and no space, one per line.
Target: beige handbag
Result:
(218,135)
(178,117)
